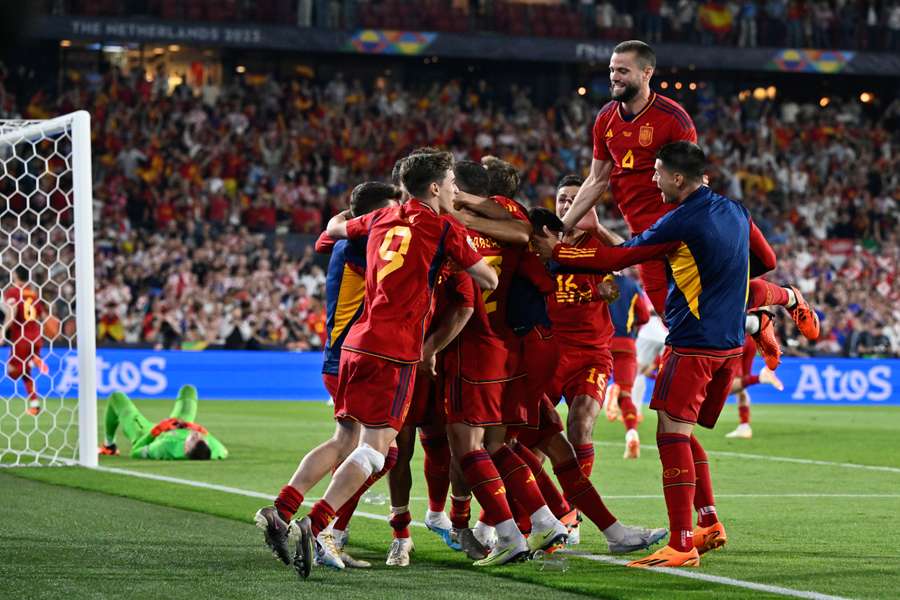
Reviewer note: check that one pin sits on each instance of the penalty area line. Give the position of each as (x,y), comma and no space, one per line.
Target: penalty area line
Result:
(761,587)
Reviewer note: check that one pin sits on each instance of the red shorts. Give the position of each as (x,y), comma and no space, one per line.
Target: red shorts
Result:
(476,378)
(656,284)
(624,353)
(423,407)
(693,383)
(549,424)
(20,355)
(374,391)
(581,371)
(540,354)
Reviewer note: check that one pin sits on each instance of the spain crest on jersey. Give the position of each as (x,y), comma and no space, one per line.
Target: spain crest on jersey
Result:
(645,136)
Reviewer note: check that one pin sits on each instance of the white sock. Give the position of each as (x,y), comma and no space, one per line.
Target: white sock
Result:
(506,530)
(542,518)
(484,532)
(399,510)
(751,324)
(614,532)
(792,298)
(439,519)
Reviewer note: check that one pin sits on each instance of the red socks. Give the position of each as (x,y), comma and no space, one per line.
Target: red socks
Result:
(345,512)
(400,524)
(555,501)
(320,516)
(678,487)
(744,414)
(704,501)
(437,469)
(485,483)
(629,412)
(287,502)
(585,455)
(582,494)
(520,481)
(763,293)
(460,511)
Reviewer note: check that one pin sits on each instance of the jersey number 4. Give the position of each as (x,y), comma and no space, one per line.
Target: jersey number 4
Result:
(394,258)
(628,160)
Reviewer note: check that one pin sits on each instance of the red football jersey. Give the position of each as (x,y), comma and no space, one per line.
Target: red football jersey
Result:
(406,248)
(454,290)
(579,315)
(24,301)
(631,143)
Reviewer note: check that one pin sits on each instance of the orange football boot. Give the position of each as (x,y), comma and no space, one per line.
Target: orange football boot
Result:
(667,556)
(766,341)
(709,538)
(804,316)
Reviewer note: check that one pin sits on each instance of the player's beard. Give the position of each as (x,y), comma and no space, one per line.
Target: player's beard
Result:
(627,94)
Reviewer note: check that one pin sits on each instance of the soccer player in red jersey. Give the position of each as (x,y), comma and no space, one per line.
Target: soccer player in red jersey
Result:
(454,305)
(23,313)
(344,293)
(705,240)
(405,249)
(627,133)
(479,405)
(629,312)
(581,321)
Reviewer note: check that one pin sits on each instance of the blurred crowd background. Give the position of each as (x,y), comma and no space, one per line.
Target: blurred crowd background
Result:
(208,195)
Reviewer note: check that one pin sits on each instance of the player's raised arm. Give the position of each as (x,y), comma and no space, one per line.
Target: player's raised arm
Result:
(337,226)
(487,217)
(589,193)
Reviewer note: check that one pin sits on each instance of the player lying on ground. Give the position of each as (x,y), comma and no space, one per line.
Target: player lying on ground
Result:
(175,438)
(705,240)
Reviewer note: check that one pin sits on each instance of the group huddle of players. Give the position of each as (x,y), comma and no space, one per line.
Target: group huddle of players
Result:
(455,312)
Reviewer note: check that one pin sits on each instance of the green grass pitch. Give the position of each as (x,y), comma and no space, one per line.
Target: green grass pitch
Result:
(800,517)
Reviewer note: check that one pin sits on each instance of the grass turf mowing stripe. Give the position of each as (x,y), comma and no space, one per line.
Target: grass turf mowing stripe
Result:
(772,589)
(787,459)
(690,574)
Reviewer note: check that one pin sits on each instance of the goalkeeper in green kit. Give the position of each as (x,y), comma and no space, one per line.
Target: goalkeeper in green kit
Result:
(175,438)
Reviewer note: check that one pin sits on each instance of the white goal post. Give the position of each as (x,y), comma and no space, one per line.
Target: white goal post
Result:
(46,225)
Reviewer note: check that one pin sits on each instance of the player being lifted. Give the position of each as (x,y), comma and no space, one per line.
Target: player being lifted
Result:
(628,133)
(406,247)
(23,313)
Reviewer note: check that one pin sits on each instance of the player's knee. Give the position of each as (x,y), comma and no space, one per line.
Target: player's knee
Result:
(367,458)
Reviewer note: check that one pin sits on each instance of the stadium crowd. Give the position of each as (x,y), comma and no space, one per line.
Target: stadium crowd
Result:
(846,24)
(195,189)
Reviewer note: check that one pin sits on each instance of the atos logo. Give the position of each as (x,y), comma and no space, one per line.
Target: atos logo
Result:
(148,377)
(834,384)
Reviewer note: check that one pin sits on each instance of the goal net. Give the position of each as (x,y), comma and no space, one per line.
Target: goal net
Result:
(47,282)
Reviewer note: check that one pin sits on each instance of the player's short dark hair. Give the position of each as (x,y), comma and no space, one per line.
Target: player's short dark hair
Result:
(398,166)
(504,177)
(472,178)
(21,272)
(645,54)
(370,196)
(683,157)
(421,170)
(200,451)
(541,217)
(570,179)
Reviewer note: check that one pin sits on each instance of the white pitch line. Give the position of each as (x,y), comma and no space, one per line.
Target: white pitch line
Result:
(689,574)
(787,459)
(772,589)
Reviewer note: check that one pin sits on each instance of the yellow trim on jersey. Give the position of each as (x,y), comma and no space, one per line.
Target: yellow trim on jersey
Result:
(630,321)
(350,296)
(640,114)
(687,277)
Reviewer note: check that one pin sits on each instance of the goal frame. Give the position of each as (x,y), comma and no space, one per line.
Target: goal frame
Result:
(79,123)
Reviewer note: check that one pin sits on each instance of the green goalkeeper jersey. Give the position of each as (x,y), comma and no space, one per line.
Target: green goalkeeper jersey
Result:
(169,445)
